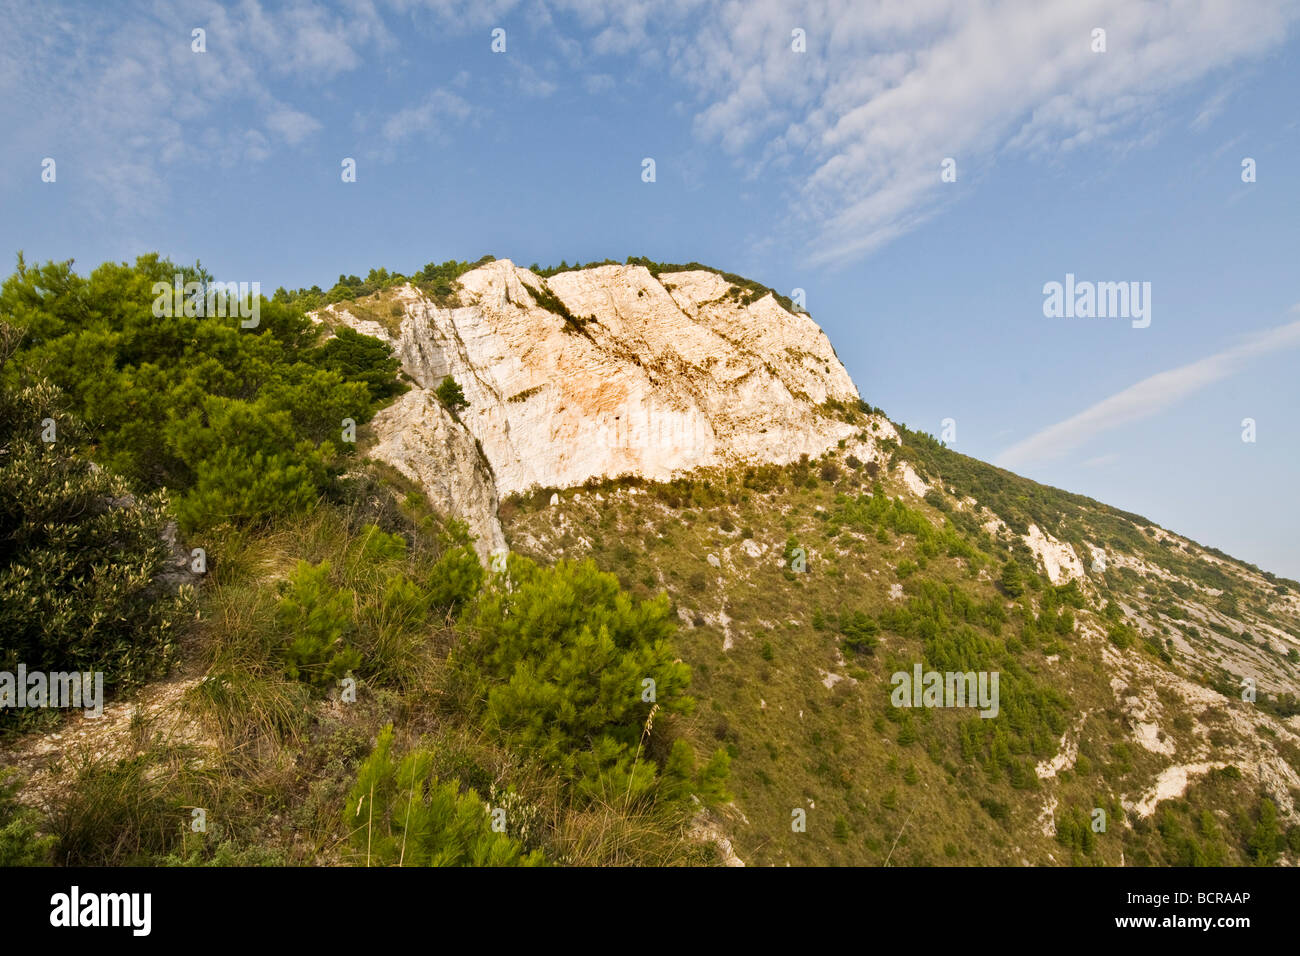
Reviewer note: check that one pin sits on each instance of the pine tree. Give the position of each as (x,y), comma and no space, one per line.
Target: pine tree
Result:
(315,619)
(568,667)
(400,814)
(1264,841)
(1012,580)
(450,395)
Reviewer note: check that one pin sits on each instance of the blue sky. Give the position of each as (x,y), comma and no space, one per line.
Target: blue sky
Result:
(818,170)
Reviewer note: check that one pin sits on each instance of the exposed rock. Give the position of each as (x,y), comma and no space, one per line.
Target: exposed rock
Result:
(1058,559)
(422,440)
(648,376)
(179,568)
(913,481)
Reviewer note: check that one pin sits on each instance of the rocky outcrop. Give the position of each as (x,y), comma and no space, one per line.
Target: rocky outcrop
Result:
(600,372)
(422,440)
(1057,558)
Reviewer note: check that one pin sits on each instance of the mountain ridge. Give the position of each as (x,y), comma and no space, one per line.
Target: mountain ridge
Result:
(795,573)
(666,371)
(1191,610)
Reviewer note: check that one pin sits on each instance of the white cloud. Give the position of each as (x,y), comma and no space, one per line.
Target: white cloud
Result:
(531,82)
(854,129)
(886,90)
(427,117)
(121,95)
(291,125)
(1146,398)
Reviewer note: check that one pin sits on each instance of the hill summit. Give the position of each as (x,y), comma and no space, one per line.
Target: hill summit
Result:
(596,373)
(693,433)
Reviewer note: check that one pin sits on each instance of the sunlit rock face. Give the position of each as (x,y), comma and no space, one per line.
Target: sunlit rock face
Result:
(600,372)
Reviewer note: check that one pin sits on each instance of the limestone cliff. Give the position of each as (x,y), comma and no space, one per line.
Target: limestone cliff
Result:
(597,372)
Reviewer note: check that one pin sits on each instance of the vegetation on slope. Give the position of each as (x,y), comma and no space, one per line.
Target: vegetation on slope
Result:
(436,280)
(793,669)
(352,687)
(238,424)
(333,607)
(1191,599)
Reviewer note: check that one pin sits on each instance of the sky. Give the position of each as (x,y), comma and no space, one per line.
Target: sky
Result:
(922,169)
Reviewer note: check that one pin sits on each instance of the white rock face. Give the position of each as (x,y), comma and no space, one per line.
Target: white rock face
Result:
(1059,560)
(913,481)
(657,376)
(421,439)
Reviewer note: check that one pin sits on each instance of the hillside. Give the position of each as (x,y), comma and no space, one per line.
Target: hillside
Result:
(690,491)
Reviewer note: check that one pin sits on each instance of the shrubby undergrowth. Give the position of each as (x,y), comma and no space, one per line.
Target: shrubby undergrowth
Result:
(239,424)
(79,555)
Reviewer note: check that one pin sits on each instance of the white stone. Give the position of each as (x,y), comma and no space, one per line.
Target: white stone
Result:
(1058,559)
(671,375)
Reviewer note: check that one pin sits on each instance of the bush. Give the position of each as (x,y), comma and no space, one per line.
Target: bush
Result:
(79,557)
(399,814)
(1012,580)
(1121,635)
(454,579)
(859,632)
(1264,841)
(361,358)
(559,659)
(242,424)
(1074,831)
(450,395)
(21,843)
(315,619)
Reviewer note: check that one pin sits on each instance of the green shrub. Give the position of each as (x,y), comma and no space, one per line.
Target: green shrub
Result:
(315,621)
(454,579)
(1074,831)
(1012,580)
(362,358)
(21,843)
(1264,841)
(559,658)
(859,632)
(399,814)
(241,424)
(79,557)
(1121,635)
(451,396)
